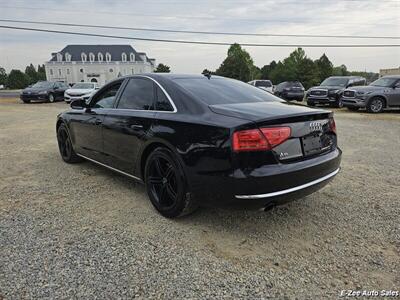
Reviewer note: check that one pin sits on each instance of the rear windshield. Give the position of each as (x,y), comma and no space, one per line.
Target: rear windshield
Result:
(224,91)
(294,84)
(264,83)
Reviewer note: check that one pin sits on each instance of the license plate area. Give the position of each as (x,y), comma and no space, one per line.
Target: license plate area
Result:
(312,144)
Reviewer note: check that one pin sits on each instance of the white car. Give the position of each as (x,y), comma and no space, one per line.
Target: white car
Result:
(81,90)
(265,85)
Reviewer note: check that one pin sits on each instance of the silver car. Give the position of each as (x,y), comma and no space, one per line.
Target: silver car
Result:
(380,94)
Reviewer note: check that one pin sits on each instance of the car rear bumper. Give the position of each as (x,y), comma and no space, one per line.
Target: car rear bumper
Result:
(293,95)
(271,184)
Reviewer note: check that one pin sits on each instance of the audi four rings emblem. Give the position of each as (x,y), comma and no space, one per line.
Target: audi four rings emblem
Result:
(315,126)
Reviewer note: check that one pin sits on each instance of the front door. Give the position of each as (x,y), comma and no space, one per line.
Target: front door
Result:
(129,125)
(87,127)
(393,95)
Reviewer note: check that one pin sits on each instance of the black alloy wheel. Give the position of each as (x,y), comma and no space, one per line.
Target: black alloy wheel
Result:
(166,186)
(65,146)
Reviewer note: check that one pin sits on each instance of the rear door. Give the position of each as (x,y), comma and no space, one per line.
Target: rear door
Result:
(393,94)
(87,125)
(129,124)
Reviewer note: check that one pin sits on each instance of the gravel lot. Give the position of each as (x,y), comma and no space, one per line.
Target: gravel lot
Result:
(81,231)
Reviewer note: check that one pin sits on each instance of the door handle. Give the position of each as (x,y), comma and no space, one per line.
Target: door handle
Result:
(97,122)
(136,126)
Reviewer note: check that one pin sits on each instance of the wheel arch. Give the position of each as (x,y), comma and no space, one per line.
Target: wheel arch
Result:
(380,96)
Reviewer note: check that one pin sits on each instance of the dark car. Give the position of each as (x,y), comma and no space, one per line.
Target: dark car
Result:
(290,90)
(44,91)
(196,140)
(331,89)
(380,94)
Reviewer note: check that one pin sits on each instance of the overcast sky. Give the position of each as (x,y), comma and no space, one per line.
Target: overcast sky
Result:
(333,17)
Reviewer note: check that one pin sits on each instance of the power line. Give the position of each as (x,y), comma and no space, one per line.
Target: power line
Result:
(201,42)
(189,17)
(200,32)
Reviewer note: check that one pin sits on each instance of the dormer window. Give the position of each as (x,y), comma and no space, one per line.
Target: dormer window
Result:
(84,57)
(132,57)
(67,57)
(123,56)
(59,57)
(100,57)
(108,57)
(91,57)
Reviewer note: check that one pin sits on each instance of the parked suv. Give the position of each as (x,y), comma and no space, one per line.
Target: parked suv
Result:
(265,85)
(44,91)
(290,90)
(331,89)
(382,93)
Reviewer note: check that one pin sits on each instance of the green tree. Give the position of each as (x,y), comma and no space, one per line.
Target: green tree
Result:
(41,72)
(325,67)
(267,69)
(340,71)
(30,71)
(17,80)
(3,76)
(161,68)
(238,64)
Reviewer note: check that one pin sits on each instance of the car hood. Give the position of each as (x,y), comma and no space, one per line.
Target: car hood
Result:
(79,91)
(34,90)
(327,87)
(366,88)
(256,111)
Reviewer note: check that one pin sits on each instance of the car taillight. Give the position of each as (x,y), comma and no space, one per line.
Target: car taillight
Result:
(259,139)
(332,125)
(276,135)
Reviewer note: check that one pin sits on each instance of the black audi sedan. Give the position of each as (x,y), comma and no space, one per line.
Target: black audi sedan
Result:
(44,91)
(198,140)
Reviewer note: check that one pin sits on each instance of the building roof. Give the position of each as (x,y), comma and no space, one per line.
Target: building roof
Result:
(115,50)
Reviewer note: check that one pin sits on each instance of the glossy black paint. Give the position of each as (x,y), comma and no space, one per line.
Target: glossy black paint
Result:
(200,137)
(42,93)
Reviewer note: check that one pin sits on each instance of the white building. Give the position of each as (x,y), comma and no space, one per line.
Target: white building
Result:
(96,63)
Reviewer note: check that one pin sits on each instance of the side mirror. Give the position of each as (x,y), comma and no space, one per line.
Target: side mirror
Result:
(78,104)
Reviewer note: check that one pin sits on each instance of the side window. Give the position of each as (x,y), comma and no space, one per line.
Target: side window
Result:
(138,94)
(106,98)
(162,102)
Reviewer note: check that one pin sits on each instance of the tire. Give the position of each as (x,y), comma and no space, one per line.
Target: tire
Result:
(338,104)
(166,185)
(353,108)
(26,101)
(65,146)
(51,98)
(375,105)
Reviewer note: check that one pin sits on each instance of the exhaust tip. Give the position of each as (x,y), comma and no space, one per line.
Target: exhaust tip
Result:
(268,207)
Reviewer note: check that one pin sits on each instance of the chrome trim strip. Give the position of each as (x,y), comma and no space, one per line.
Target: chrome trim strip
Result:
(165,93)
(296,188)
(111,168)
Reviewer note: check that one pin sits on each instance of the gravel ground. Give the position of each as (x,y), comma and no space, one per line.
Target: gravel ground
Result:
(81,231)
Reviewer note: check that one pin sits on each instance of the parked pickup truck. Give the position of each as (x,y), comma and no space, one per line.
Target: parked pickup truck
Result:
(380,94)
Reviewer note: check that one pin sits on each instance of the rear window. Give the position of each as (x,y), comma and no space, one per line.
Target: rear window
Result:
(295,84)
(224,91)
(264,83)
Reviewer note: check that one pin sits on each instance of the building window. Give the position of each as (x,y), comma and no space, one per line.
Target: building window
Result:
(91,57)
(132,57)
(111,70)
(100,57)
(59,72)
(108,57)
(67,71)
(59,57)
(84,57)
(67,57)
(51,71)
(123,56)
(81,70)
